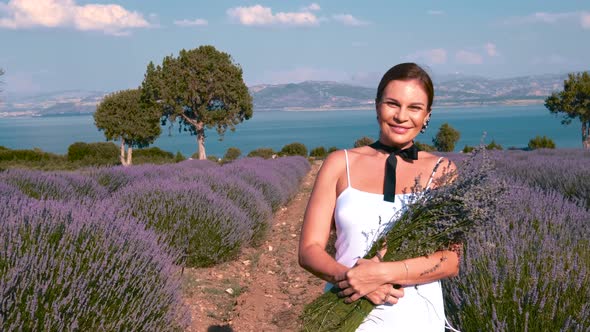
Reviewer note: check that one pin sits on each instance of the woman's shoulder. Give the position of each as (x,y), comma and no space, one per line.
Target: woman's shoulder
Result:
(437,161)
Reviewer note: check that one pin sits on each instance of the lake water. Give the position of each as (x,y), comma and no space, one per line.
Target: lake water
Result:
(510,126)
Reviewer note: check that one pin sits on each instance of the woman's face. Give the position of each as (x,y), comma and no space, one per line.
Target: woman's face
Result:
(401,112)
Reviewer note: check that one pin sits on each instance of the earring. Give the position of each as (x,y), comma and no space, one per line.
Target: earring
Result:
(423,130)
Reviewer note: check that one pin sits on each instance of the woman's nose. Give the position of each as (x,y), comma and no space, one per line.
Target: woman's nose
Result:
(401,114)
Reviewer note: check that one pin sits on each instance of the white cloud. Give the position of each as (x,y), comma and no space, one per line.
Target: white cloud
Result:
(436,12)
(348,19)
(110,18)
(433,56)
(191,23)
(470,58)
(263,16)
(552,18)
(314,7)
(491,49)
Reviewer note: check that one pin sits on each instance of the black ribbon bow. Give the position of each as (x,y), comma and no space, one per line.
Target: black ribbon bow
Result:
(390,165)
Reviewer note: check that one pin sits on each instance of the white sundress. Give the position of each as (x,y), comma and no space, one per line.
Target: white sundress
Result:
(360,217)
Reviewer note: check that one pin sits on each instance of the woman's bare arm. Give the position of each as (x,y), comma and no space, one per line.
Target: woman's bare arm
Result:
(318,220)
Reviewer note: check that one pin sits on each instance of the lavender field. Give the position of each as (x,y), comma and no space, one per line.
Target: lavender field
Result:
(529,270)
(102,249)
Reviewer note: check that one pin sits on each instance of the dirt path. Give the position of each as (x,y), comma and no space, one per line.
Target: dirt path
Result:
(264,289)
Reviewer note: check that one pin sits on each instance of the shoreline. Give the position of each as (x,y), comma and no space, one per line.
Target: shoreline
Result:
(441,105)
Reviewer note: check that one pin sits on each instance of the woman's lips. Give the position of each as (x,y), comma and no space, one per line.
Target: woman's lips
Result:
(398,129)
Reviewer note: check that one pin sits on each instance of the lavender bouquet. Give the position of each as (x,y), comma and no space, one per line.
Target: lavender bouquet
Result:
(435,220)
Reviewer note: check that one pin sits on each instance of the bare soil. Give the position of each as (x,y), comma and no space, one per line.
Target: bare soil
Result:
(264,289)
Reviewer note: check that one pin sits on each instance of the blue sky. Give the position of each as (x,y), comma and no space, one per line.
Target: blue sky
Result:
(52,45)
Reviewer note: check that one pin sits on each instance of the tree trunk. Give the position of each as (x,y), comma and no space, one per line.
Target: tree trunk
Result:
(129,153)
(122,157)
(201,140)
(586,134)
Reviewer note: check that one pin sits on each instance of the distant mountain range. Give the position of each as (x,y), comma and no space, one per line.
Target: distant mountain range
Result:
(453,90)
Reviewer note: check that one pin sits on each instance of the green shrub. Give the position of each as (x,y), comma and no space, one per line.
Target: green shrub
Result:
(424,146)
(153,153)
(232,154)
(541,143)
(265,153)
(179,157)
(97,151)
(468,149)
(294,149)
(319,152)
(332,149)
(494,146)
(363,141)
(211,157)
(25,155)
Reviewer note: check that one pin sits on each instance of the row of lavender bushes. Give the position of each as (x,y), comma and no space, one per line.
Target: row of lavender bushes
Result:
(102,248)
(529,271)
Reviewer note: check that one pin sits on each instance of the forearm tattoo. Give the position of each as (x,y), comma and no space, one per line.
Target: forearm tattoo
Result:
(436,266)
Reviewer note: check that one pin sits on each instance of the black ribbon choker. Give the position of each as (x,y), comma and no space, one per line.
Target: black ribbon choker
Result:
(391,164)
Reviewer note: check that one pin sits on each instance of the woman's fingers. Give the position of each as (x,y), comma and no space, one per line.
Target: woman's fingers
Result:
(397,293)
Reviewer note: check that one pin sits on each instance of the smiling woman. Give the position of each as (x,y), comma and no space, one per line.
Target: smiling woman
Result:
(362,198)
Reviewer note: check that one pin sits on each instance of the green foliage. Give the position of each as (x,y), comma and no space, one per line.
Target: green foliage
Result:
(232,154)
(153,153)
(332,149)
(573,102)
(212,158)
(25,155)
(363,141)
(446,138)
(201,88)
(98,153)
(494,146)
(265,153)
(424,146)
(541,143)
(179,157)
(468,149)
(122,115)
(319,152)
(294,149)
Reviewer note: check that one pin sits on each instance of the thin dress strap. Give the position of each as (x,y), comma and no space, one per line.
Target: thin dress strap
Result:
(433,171)
(347,170)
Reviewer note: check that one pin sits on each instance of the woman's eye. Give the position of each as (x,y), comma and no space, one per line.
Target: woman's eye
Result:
(391,104)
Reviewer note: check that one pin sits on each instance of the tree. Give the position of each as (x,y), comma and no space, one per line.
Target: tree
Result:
(363,141)
(122,116)
(446,138)
(424,146)
(318,152)
(294,149)
(232,154)
(574,102)
(201,88)
(541,143)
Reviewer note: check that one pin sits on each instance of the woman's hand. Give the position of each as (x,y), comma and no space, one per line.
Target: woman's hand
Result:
(385,294)
(364,278)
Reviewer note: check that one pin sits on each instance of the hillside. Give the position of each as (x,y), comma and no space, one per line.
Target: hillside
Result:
(452,90)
